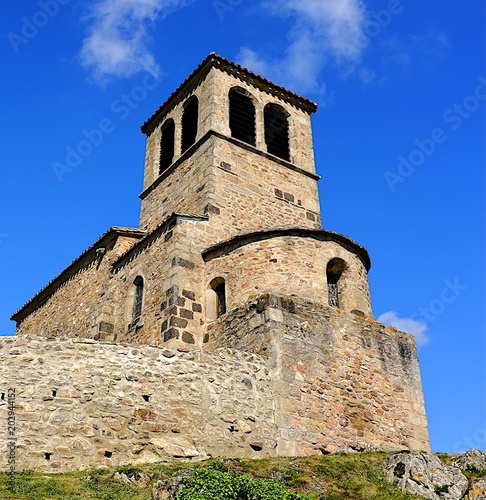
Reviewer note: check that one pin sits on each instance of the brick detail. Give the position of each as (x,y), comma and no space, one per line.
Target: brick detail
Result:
(189,295)
(184,313)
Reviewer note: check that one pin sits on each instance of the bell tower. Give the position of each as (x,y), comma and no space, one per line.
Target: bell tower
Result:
(232,144)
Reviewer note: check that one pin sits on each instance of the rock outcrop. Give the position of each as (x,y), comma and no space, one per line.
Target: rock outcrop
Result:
(472,460)
(422,473)
(477,491)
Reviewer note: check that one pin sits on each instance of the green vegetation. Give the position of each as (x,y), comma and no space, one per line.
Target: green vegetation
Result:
(211,481)
(353,476)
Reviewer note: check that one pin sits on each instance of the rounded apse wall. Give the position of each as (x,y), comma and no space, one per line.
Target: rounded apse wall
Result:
(316,265)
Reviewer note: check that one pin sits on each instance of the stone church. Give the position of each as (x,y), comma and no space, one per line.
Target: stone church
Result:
(229,322)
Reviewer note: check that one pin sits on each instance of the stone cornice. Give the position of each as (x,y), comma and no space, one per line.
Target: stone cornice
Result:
(212,133)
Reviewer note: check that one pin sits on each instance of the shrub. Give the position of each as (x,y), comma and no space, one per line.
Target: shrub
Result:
(210,483)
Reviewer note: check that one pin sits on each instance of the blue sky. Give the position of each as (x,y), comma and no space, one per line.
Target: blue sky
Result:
(399,143)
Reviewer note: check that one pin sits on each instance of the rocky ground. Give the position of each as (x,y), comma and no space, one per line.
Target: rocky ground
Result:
(346,475)
(425,474)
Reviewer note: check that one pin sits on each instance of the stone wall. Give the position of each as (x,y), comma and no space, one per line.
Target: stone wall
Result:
(98,301)
(242,189)
(79,305)
(290,264)
(293,378)
(342,380)
(80,403)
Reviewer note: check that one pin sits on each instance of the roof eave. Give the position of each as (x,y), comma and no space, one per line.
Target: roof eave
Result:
(216,61)
(86,256)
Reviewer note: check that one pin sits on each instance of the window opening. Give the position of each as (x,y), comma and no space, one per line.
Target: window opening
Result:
(335,268)
(138,301)
(219,287)
(242,117)
(189,123)
(277,131)
(167,145)
(332,290)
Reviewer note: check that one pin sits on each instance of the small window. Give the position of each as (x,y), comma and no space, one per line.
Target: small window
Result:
(334,271)
(167,145)
(277,131)
(218,287)
(242,117)
(138,300)
(189,123)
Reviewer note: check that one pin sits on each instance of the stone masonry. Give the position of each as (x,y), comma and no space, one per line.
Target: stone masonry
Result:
(229,323)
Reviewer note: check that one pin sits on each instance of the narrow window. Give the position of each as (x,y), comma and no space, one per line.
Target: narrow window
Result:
(335,268)
(189,123)
(167,145)
(218,286)
(138,300)
(277,131)
(242,117)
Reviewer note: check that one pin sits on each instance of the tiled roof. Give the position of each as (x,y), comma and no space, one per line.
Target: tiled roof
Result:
(215,60)
(74,267)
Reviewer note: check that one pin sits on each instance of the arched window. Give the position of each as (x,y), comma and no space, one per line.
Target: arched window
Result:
(242,117)
(138,300)
(334,270)
(167,145)
(216,299)
(189,122)
(277,131)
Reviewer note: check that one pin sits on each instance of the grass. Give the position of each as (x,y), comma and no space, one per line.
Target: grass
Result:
(353,476)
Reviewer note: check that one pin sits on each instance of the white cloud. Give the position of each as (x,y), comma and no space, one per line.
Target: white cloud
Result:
(409,325)
(322,29)
(119,35)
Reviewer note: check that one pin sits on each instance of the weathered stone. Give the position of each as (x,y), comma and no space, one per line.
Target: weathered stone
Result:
(188,338)
(185,313)
(176,300)
(178,322)
(171,333)
(179,261)
(422,473)
(189,295)
(472,460)
(477,490)
(168,490)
